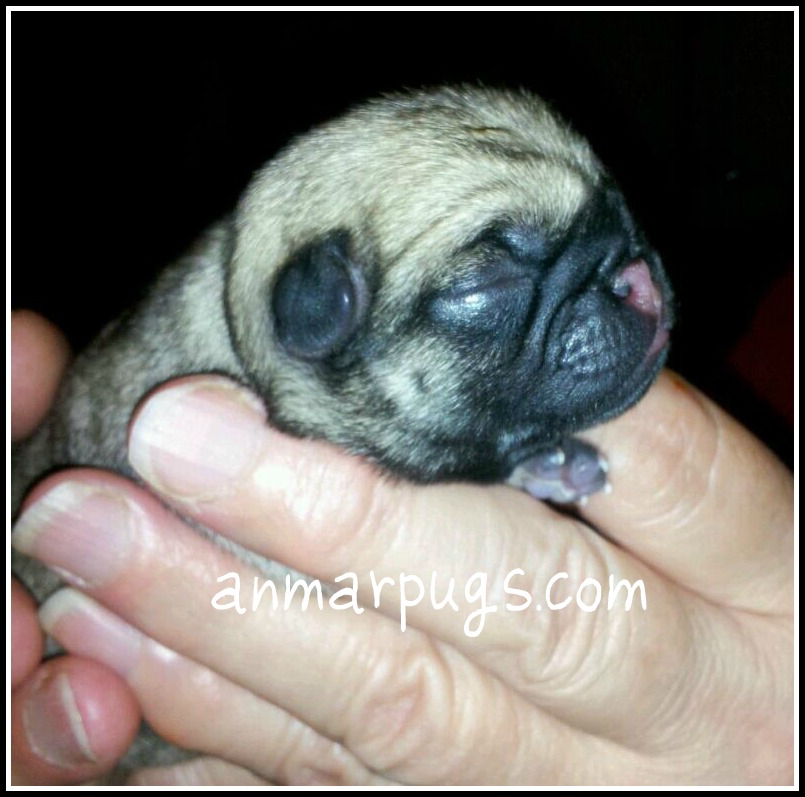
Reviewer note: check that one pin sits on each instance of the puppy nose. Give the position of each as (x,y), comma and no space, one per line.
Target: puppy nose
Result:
(636,287)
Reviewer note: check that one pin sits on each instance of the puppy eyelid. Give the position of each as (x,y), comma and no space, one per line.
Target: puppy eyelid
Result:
(472,293)
(496,273)
(479,304)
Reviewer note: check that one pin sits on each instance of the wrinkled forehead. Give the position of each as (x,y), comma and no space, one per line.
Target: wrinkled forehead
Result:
(448,200)
(444,210)
(412,191)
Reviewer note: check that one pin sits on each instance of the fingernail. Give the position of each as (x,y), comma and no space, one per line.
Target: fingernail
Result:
(196,440)
(53,723)
(84,627)
(81,530)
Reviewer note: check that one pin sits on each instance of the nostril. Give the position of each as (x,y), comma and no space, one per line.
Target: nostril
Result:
(621,288)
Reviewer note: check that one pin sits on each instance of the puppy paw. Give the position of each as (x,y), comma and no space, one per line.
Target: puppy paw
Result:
(565,474)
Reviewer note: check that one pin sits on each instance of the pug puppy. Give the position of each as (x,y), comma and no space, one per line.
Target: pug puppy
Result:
(446,282)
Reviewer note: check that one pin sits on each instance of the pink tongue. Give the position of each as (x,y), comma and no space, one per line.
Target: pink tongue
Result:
(643,293)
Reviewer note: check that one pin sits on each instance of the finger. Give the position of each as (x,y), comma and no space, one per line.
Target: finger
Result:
(194,707)
(205,446)
(198,772)
(70,722)
(39,356)
(229,722)
(310,506)
(350,676)
(699,498)
(26,636)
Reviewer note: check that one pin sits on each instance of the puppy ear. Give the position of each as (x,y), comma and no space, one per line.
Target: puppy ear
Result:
(319,299)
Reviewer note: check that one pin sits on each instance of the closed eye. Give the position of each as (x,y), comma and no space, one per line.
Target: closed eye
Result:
(476,294)
(497,307)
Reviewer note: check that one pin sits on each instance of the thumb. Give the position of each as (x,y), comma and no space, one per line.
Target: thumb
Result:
(699,498)
(70,722)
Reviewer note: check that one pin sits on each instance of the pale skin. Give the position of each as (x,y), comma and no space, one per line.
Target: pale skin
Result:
(696,688)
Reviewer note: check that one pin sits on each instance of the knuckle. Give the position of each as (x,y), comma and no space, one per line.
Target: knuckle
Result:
(303,758)
(679,455)
(336,504)
(404,723)
(561,648)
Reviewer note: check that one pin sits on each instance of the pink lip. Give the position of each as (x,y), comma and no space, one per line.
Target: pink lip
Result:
(660,339)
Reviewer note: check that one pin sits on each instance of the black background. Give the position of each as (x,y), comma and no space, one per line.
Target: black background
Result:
(132,131)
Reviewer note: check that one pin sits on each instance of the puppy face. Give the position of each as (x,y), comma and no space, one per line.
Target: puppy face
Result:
(446,282)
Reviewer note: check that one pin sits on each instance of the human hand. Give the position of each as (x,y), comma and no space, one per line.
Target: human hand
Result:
(696,688)
(71,718)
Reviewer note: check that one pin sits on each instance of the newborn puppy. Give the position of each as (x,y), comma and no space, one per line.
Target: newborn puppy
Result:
(446,282)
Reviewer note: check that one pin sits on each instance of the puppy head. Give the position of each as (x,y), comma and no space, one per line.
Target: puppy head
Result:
(444,281)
